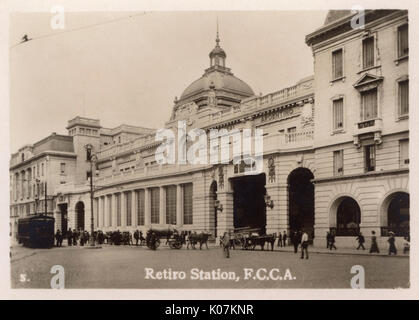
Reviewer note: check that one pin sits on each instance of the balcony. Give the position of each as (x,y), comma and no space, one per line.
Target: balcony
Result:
(285,141)
(367,126)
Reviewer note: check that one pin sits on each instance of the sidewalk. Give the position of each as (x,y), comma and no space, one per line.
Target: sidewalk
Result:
(344,251)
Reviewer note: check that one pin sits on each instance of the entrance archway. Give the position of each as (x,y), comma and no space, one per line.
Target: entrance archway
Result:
(301,201)
(80,215)
(213,209)
(398,214)
(348,217)
(249,201)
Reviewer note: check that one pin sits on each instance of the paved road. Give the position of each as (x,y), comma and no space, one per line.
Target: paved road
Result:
(128,267)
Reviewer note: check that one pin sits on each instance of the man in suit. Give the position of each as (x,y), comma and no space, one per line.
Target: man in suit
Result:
(304,245)
(69,237)
(284,238)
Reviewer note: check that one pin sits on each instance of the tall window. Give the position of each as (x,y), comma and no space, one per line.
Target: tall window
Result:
(338,114)
(62,168)
(369,105)
(171,205)
(370,158)
(128,203)
(140,207)
(338,162)
(187,203)
(403,41)
(404,153)
(404,98)
(42,169)
(368,52)
(155,205)
(118,209)
(337,64)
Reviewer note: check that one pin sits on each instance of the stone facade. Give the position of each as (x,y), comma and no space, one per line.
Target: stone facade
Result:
(298,186)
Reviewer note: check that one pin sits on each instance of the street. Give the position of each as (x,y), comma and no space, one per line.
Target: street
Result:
(141,268)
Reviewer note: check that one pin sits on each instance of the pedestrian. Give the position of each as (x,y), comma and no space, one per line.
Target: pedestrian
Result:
(136,236)
(284,238)
(327,240)
(406,245)
(295,241)
(57,237)
(392,247)
(374,245)
(69,237)
(280,240)
(75,237)
(361,241)
(304,245)
(332,241)
(142,239)
(226,245)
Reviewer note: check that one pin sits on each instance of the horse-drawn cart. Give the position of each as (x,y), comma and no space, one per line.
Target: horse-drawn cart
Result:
(248,238)
(173,238)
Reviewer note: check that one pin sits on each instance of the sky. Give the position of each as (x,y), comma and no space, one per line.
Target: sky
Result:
(122,69)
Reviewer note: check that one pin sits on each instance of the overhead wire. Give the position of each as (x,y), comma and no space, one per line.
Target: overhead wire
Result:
(26,39)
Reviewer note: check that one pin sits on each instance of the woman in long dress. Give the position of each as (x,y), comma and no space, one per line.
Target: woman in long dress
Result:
(374,245)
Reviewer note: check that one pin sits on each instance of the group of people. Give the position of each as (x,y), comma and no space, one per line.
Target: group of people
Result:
(74,237)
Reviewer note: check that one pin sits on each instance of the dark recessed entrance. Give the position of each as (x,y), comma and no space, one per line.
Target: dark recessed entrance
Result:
(301,201)
(249,202)
(64,217)
(80,215)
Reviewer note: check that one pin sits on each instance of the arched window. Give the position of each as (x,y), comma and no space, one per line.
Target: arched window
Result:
(348,217)
(398,215)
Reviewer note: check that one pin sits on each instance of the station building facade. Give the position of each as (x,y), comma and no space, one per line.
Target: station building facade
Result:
(324,167)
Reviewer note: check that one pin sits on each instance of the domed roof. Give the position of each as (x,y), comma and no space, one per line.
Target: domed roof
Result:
(217,80)
(217,51)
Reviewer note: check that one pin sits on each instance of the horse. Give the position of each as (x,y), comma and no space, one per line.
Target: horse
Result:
(201,238)
(254,241)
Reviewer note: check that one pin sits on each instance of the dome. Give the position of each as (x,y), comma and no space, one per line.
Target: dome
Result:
(217,51)
(217,80)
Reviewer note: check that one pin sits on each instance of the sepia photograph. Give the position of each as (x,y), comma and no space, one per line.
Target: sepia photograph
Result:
(220,149)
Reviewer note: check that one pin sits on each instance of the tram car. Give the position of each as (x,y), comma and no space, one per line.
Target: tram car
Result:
(36,232)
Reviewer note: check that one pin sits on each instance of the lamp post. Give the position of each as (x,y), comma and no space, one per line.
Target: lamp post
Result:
(91,158)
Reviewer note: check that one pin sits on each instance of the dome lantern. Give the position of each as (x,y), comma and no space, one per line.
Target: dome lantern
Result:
(217,55)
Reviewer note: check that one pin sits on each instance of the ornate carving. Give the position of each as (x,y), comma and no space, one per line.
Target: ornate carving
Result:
(271,167)
(221,177)
(212,100)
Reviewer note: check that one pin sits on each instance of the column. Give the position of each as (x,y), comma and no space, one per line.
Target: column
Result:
(106,211)
(283,208)
(179,205)
(133,209)
(123,199)
(57,217)
(273,215)
(147,208)
(162,205)
(225,218)
(100,211)
(114,213)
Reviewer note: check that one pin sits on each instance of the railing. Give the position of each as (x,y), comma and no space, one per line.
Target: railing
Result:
(345,232)
(301,136)
(398,231)
(126,146)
